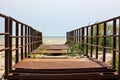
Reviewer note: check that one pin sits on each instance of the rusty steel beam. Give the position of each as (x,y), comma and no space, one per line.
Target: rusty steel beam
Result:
(22,42)
(97,40)
(17,42)
(114,43)
(7,68)
(104,42)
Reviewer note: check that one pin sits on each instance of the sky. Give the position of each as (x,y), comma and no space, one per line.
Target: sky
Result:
(56,17)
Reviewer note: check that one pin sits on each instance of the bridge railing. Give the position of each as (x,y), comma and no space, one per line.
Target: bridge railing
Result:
(99,39)
(20,40)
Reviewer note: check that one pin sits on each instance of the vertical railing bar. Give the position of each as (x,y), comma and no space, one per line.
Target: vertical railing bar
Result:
(71,37)
(91,49)
(74,36)
(10,44)
(7,68)
(114,43)
(41,38)
(21,41)
(31,39)
(77,36)
(97,39)
(83,39)
(119,50)
(66,36)
(28,40)
(25,41)
(34,41)
(17,42)
(87,41)
(104,42)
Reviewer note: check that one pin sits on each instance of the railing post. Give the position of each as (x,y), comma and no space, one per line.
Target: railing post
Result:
(7,68)
(87,42)
(114,43)
(31,36)
(25,41)
(119,51)
(104,42)
(97,40)
(17,42)
(10,44)
(91,49)
(79,35)
(67,36)
(28,40)
(41,37)
(74,37)
(21,41)
(83,39)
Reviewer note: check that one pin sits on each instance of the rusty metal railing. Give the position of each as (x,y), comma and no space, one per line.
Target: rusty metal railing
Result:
(90,36)
(20,41)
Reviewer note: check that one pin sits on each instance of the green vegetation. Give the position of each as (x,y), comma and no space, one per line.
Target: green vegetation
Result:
(76,49)
(109,31)
(110,62)
(40,49)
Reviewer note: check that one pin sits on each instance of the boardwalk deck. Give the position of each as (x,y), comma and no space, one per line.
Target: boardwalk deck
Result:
(28,39)
(51,49)
(60,68)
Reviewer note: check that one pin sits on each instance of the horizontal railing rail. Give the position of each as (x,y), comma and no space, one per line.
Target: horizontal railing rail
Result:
(20,40)
(103,36)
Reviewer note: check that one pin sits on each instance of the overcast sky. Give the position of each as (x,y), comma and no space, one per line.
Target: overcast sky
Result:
(55,17)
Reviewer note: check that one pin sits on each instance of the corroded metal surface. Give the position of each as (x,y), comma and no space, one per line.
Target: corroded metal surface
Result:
(51,49)
(56,64)
(54,46)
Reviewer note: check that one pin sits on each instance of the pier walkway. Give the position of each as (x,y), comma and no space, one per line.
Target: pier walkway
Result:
(58,65)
